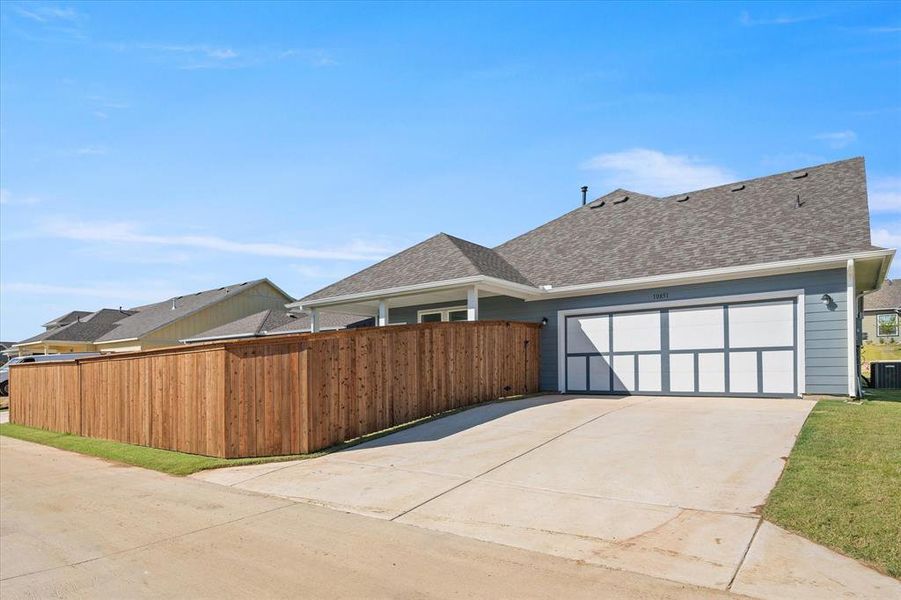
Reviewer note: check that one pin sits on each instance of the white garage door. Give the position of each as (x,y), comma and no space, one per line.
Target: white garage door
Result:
(745,348)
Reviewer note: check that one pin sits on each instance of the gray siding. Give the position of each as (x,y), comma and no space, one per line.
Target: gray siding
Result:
(825,330)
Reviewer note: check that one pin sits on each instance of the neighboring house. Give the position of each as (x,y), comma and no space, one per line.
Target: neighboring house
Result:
(154,325)
(5,351)
(882,313)
(743,289)
(73,332)
(275,321)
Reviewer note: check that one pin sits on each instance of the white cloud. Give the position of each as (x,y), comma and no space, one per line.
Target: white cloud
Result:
(8,199)
(748,21)
(837,139)
(885,194)
(46,14)
(885,29)
(654,172)
(90,150)
(206,56)
(129,233)
(113,292)
(330,273)
(885,238)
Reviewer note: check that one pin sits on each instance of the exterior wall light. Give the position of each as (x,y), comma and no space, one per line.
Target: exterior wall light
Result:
(543,321)
(826,299)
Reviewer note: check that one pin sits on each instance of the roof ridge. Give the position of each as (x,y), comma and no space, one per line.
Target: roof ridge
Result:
(262,322)
(466,255)
(753,179)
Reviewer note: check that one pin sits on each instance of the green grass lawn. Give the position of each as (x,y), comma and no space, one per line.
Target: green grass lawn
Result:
(180,463)
(174,463)
(842,484)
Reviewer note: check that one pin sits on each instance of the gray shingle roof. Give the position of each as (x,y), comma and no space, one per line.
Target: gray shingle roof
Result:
(439,257)
(69,317)
(713,228)
(85,329)
(276,322)
(151,317)
(813,212)
(886,297)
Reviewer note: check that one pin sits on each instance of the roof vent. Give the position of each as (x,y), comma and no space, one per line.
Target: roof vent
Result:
(621,200)
(738,188)
(597,204)
(682,199)
(799,175)
(584,194)
(173,304)
(798,203)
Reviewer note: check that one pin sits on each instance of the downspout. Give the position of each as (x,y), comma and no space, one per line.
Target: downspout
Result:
(851,318)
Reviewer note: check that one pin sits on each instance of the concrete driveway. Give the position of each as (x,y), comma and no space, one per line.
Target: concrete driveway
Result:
(667,487)
(74,526)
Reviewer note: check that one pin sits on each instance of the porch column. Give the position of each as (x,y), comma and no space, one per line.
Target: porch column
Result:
(472,304)
(314,320)
(383,314)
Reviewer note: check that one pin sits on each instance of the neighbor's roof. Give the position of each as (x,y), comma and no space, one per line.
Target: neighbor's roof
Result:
(85,329)
(809,213)
(69,317)
(886,297)
(275,322)
(151,317)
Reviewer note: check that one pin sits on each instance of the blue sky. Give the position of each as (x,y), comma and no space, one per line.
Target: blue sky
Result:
(159,148)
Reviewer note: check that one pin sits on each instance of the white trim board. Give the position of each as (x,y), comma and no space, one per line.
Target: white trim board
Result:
(798,295)
(530,293)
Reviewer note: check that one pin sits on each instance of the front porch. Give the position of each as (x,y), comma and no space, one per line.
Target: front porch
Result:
(432,304)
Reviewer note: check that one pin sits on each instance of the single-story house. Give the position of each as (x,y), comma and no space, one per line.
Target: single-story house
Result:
(277,321)
(882,314)
(154,325)
(751,288)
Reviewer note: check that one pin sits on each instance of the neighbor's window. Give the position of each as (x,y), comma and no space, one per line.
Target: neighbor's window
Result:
(454,313)
(887,325)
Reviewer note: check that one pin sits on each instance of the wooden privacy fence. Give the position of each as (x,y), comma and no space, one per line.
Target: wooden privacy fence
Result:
(280,395)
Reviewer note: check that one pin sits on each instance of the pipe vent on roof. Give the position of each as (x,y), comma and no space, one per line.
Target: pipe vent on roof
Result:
(173,304)
(682,199)
(738,188)
(799,175)
(620,200)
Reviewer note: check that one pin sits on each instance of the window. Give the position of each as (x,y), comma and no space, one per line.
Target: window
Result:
(452,313)
(887,325)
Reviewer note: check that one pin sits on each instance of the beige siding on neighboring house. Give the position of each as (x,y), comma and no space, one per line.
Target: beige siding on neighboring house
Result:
(260,297)
(55,348)
(869,326)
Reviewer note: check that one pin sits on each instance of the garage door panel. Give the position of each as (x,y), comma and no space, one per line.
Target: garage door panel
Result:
(599,373)
(743,372)
(711,372)
(624,373)
(636,332)
(682,372)
(588,334)
(696,328)
(650,377)
(576,373)
(778,372)
(760,325)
